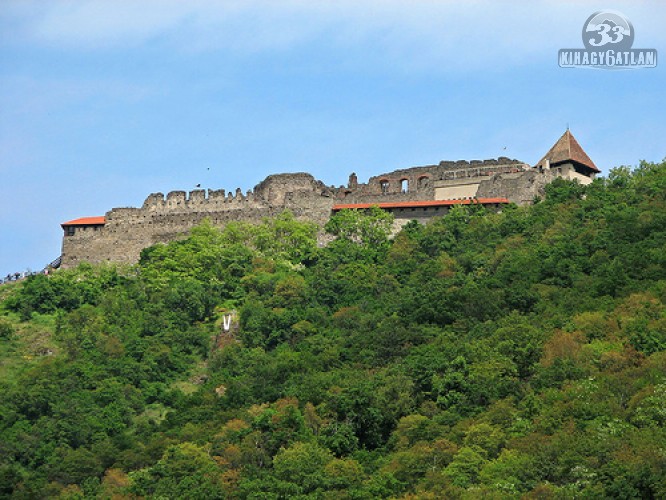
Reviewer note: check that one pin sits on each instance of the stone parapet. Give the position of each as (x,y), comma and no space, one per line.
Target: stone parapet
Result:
(127,231)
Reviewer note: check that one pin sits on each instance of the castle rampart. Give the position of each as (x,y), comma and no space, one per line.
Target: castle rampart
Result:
(127,231)
(416,193)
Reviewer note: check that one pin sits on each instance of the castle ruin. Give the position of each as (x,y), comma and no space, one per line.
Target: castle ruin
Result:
(417,193)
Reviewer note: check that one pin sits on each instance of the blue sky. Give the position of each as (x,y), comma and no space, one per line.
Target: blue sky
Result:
(105,102)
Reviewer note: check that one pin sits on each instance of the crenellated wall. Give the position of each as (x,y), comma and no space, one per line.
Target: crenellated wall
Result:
(421,183)
(161,218)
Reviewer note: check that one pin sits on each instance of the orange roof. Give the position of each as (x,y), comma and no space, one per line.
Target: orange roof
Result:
(567,149)
(428,203)
(86,221)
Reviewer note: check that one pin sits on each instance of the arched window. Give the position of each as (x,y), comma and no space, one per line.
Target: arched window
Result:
(384,184)
(404,185)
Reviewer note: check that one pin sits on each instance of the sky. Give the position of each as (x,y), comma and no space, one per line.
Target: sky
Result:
(103,102)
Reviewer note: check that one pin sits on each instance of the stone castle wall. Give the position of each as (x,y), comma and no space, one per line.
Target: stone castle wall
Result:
(419,183)
(522,188)
(161,219)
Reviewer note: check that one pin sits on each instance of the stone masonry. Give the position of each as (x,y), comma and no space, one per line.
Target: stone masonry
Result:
(411,193)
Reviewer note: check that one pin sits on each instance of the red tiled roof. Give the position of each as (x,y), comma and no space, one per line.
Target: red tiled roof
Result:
(427,203)
(567,149)
(86,221)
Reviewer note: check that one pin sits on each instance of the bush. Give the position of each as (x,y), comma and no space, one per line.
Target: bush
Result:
(6,329)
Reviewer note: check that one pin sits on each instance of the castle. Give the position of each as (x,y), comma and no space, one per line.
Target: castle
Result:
(416,193)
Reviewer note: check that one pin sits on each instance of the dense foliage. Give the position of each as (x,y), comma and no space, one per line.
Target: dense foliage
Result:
(511,355)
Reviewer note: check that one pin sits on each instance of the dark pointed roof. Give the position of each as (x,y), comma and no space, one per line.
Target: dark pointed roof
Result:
(567,150)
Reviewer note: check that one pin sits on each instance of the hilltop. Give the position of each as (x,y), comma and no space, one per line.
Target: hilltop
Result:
(510,354)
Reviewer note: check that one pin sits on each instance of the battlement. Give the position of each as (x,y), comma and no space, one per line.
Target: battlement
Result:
(274,189)
(420,183)
(416,193)
(177,201)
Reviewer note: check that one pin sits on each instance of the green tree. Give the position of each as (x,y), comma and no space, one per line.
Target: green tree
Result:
(303,464)
(464,469)
(283,237)
(184,471)
(370,230)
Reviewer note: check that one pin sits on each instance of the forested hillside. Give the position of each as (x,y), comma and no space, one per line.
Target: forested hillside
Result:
(511,355)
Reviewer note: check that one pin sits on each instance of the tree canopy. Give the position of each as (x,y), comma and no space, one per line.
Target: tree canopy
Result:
(519,354)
